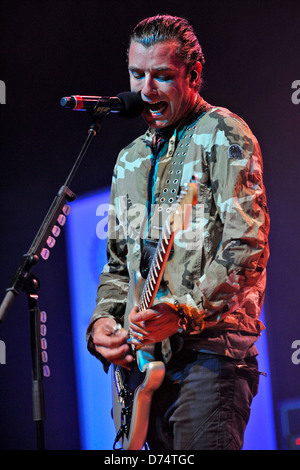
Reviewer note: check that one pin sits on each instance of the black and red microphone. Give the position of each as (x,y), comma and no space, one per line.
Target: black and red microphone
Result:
(127,104)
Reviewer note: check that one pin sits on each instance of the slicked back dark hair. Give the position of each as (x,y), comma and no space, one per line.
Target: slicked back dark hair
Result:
(163,28)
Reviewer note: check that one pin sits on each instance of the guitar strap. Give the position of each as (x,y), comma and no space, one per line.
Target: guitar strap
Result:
(169,192)
(171,185)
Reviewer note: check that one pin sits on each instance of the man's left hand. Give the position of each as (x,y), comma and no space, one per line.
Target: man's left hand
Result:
(153,325)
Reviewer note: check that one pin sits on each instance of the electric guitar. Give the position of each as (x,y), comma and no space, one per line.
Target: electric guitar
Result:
(133,390)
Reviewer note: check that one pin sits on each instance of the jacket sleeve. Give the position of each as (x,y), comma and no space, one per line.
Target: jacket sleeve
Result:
(114,279)
(232,286)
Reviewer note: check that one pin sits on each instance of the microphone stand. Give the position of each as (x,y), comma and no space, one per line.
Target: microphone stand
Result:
(25,280)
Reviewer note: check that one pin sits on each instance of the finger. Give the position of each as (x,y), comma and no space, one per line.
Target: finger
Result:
(111,340)
(144,315)
(137,329)
(112,329)
(140,331)
(134,316)
(118,355)
(136,339)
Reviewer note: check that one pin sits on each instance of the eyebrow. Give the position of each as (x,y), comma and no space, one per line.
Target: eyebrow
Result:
(162,68)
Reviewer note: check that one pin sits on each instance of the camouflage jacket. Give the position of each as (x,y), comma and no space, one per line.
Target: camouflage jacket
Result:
(223,272)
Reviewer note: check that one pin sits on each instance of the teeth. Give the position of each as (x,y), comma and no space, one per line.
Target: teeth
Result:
(155,105)
(158,107)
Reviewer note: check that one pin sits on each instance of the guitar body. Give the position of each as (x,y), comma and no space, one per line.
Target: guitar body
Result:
(132,395)
(133,390)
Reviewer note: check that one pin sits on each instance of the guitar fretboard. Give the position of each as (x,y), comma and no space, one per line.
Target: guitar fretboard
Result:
(160,257)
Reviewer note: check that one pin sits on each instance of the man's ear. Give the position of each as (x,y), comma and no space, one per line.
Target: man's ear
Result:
(195,73)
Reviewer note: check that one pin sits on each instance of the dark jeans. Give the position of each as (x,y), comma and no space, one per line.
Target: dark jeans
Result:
(203,404)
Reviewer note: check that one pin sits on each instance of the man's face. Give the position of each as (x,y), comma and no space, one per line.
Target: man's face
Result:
(160,77)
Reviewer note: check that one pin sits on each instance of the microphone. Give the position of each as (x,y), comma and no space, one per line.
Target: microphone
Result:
(127,104)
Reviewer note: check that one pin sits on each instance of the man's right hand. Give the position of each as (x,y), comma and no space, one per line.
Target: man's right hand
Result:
(112,343)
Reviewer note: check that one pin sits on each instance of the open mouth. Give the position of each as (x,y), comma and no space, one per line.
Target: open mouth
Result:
(156,108)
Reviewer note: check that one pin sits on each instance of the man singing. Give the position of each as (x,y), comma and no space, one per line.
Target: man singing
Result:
(206,315)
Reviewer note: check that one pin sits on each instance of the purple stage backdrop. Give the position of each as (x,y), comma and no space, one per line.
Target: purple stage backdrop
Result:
(59,48)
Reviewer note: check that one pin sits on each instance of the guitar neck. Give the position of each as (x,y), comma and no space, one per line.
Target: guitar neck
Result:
(178,219)
(157,268)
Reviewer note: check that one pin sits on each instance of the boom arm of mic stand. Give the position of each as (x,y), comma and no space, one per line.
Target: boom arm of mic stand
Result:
(31,258)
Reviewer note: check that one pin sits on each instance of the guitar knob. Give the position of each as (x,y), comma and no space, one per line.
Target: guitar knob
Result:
(123,393)
(126,411)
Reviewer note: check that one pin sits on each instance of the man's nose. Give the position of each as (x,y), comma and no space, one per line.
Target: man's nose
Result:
(149,88)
